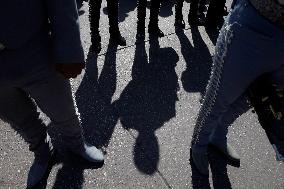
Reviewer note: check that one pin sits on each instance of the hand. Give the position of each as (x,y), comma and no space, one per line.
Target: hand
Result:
(70,70)
(200,161)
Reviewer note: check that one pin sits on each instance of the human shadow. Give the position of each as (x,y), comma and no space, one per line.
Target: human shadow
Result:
(198,61)
(93,99)
(148,101)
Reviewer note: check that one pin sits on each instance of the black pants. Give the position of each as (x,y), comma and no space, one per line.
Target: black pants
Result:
(178,9)
(154,13)
(95,6)
(197,6)
(215,13)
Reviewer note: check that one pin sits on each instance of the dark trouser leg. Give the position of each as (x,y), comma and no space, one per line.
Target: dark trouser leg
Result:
(154,13)
(17,108)
(141,14)
(113,16)
(193,8)
(215,13)
(54,97)
(193,16)
(239,107)
(178,9)
(94,17)
(153,27)
(113,22)
(202,6)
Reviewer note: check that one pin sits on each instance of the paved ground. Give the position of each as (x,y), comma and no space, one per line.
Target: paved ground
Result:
(139,104)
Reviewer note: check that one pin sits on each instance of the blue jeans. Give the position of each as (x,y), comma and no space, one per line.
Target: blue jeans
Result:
(247,47)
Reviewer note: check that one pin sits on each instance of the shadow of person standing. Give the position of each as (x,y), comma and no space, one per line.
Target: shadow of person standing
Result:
(198,62)
(93,99)
(148,101)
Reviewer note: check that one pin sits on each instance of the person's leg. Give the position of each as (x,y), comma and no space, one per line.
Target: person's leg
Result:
(153,27)
(17,108)
(192,15)
(202,6)
(225,86)
(54,97)
(215,14)
(94,17)
(141,16)
(178,14)
(113,22)
(242,54)
(219,136)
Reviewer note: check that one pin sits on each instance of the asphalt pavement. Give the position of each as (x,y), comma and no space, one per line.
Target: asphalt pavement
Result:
(139,104)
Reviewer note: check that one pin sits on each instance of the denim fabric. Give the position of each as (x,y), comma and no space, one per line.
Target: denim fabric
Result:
(247,47)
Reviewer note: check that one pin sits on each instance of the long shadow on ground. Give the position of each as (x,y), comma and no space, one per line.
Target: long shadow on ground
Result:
(148,101)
